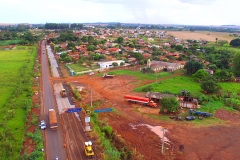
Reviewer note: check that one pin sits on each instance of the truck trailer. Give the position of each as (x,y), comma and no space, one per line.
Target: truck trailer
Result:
(143,100)
(53,119)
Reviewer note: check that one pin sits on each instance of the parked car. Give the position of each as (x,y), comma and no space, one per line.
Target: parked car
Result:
(190,118)
(42,125)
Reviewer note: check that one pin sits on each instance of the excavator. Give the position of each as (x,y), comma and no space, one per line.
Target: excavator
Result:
(88,149)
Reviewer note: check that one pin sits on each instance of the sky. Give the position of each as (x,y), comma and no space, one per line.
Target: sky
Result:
(182,12)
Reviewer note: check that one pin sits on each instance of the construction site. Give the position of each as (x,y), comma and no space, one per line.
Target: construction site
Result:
(139,126)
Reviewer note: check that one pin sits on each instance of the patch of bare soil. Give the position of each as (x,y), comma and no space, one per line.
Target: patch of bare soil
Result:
(197,35)
(227,116)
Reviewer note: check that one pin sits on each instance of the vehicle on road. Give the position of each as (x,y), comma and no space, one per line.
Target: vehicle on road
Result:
(42,125)
(53,119)
(107,75)
(88,149)
(190,118)
(143,100)
(63,93)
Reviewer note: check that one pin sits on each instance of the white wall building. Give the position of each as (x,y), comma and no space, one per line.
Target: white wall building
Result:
(108,64)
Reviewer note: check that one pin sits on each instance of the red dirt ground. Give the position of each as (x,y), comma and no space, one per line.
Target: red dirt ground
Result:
(218,141)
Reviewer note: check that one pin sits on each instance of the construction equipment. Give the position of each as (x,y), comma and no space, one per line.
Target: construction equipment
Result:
(63,93)
(107,75)
(200,113)
(88,149)
(136,99)
(53,119)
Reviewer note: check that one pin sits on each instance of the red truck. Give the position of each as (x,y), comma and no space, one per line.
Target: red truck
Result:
(145,101)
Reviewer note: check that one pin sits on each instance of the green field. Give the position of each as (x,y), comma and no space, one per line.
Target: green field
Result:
(175,84)
(16,70)
(140,76)
(79,68)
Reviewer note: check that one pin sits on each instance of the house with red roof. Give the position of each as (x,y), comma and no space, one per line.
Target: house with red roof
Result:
(74,55)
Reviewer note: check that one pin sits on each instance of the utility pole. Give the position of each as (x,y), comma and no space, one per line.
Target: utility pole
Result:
(162,140)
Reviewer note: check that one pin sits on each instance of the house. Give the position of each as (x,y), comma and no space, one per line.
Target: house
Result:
(108,64)
(146,55)
(113,50)
(158,66)
(74,55)
(132,60)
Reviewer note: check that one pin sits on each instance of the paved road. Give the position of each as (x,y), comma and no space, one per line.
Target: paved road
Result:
(73,132)
(53,139)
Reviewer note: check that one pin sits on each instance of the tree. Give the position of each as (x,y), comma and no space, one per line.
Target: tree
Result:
(115,64)
(84,39)
(210,85)
(120,40)
(91,47)
(179,47)
(200,74)
(236,64)
(90,39)
(70,45)
(222,42)
(67,59)
(169,104)
(223,75)
(192,67)
(235,42)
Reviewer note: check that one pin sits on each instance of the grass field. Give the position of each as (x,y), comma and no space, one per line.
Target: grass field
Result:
(197,35)
(80,68)
(175,84)
(16,70)
(140,76)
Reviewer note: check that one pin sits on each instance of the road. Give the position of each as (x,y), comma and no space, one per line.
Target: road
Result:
(54,144)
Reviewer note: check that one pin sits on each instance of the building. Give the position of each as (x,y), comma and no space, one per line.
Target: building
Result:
(108,64)
(158,66)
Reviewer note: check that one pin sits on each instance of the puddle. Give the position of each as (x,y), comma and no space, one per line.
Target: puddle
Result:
(158,130)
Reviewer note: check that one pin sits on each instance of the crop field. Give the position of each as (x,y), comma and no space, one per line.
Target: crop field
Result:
(197,35)
(16,70)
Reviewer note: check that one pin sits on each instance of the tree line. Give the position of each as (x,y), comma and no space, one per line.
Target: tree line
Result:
(63,26)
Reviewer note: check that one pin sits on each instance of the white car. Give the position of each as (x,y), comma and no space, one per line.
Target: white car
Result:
(42,125)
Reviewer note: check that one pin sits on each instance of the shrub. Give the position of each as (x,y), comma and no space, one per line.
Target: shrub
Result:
(108,131)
